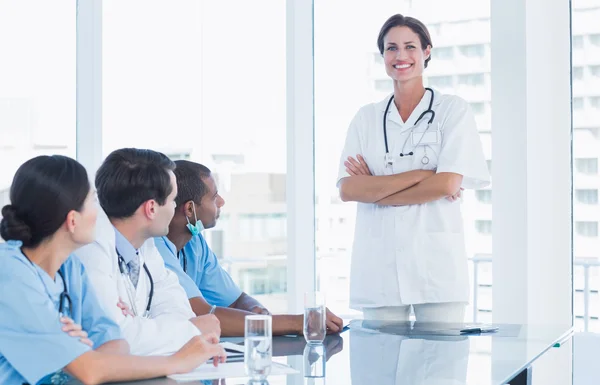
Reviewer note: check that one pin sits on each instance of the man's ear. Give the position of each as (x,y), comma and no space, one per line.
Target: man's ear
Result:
(150,208)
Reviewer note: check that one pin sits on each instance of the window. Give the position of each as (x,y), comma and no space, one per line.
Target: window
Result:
(586,229)
(478,108)
(443,53)
(440,81)
(377,58)
(474,80)
(595,39)
(360,82)
(586,196)
(483,227)
(577,73)
(577,42)
(477,50)
(595,102)
(484,196)
(384,85)
(489,164)
(577,103)
(587,165)
(38,84)
(595,71)
(171,86)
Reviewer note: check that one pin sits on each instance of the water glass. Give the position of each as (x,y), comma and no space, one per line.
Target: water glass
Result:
(258,338)
(315,318)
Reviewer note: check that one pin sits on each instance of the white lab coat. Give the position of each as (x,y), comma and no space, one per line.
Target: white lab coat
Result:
(168,327)
(413,254)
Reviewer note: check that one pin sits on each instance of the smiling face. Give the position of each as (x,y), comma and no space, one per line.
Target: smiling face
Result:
(403,54)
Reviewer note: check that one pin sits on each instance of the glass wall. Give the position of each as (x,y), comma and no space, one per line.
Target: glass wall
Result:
(586,151)
(37,83)
(203,81)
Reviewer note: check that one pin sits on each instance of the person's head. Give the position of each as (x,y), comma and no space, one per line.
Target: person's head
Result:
(197,196)
(51,199)
(405,44)
(139,185)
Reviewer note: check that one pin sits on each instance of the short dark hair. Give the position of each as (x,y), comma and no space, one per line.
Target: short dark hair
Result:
(43,192)
(129,177)
(415,25)
(190,186)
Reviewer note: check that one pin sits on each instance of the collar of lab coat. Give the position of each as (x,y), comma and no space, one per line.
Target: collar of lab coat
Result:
(124,247)
(394,115)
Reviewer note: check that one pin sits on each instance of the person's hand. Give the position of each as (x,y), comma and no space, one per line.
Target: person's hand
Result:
(357,166)
(124,308)
(207,324)
(455,197)
(75,330)
(197,351)
(334,323)
(260,310)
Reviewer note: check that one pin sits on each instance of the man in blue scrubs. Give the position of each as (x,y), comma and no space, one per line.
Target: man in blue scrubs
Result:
(208,286)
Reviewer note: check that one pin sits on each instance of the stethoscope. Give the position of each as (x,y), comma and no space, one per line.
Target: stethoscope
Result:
(184,260)
(64,296)
(389,159)
(125,273)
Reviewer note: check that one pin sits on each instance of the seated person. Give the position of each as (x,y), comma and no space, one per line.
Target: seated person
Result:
(136,190)
(50,319)
(186,253)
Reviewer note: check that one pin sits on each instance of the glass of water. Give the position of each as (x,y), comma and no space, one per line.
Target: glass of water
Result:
(314,317)
(258,338)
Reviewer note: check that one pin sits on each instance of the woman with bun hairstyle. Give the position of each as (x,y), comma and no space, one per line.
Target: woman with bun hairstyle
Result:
(51,323)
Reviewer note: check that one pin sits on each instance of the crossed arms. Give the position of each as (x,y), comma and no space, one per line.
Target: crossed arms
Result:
(407,188)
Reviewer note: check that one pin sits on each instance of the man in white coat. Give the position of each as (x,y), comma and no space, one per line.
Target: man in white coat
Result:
(137,189)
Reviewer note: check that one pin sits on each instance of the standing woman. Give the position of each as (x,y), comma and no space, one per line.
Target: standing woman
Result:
(50,319)
(405,161)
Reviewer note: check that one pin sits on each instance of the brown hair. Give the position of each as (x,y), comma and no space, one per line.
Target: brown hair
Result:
(415,25)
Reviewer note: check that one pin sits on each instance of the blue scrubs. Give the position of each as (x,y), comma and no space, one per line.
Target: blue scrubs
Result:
(33,347)
(205,277)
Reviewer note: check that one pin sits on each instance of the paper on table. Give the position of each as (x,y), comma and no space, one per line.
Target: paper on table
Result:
(231,346)
(228,370)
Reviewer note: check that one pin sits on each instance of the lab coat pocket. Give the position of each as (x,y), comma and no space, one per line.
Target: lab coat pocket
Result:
(426,157)
(446,265)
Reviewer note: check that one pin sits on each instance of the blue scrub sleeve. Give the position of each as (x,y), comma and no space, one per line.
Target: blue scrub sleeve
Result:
(173,264)
(216,284)
(30,330)
(94,319)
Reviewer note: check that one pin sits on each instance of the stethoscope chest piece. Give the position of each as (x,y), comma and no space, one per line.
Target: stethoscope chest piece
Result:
(425,160)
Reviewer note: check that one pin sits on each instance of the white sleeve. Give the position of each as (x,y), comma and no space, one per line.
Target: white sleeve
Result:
(160,335)
(169,296)
(462,151)
(352,145)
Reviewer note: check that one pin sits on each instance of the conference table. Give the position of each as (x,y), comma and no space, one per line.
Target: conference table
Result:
(380,353)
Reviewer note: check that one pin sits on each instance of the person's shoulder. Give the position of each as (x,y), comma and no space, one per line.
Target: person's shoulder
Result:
(73,264)
(198,246)
(13,262)
(371,109)
(450,101)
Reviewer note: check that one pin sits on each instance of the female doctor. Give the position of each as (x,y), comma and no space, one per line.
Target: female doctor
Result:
(405,161)
(50,319)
